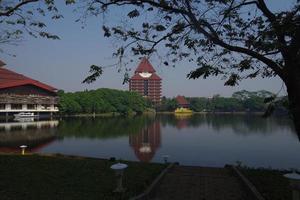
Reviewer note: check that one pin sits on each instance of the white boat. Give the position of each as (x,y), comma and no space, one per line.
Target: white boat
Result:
(24,119)
(24,115)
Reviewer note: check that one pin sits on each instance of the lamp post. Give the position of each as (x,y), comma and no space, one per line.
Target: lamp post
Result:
(23,147)
(294,179)
(119,169)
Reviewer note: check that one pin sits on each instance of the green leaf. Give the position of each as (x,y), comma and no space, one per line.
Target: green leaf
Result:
(107,32)
(232,80)
(133,13)
(96,72)
(204,71)
(160,28)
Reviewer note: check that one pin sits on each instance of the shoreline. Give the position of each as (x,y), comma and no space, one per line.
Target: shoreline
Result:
(115,114)
(208,113)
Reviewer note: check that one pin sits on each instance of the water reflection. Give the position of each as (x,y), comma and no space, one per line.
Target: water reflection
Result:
(146,142)
(102,128)
(196,140)
(35,134)
(239,123)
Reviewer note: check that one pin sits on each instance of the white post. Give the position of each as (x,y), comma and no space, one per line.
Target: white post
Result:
(294,179)
(119,169)
(23,147)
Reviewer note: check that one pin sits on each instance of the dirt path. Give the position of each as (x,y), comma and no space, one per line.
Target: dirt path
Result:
(201,183)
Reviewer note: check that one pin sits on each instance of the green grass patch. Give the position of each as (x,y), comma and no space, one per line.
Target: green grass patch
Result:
(270,183)
(43,177)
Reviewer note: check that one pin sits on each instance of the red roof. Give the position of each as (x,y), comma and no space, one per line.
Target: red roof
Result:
(10,79)
(145,66)
(2,63)
(152,77)
(181,100)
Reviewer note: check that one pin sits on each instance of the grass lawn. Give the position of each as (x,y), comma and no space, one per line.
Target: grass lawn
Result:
(44,177)
(270,183)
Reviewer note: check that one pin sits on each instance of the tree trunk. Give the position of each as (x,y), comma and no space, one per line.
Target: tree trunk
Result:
(293,88)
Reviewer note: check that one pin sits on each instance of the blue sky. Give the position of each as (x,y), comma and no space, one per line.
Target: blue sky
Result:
(65,63)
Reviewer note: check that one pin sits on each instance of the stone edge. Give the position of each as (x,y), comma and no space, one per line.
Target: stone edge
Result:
(247,183)
(148,191)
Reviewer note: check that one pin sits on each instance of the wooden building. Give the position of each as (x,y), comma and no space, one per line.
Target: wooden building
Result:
(182,102)
(19,93)
(146,82)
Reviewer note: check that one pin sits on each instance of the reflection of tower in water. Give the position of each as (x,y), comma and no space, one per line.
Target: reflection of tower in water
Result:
(146,142)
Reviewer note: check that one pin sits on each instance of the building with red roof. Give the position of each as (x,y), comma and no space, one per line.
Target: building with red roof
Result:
(146,82)
(182,102)
(19,93)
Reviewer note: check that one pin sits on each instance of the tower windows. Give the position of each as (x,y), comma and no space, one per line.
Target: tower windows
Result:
(145,87)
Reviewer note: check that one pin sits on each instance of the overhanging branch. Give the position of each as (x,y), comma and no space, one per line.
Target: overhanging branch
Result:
(16,7)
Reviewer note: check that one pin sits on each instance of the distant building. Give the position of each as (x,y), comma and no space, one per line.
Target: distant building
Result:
(19,93)
(146,82)
(182,102)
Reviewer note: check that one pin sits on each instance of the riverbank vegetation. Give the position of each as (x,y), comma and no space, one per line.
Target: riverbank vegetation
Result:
(110,101)
(33,177)
(101,101)
(241,101)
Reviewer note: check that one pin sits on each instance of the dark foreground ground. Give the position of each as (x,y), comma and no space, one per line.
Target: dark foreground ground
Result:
(60,177)
(269,182)
(206,183)
(201,183)
(33,177)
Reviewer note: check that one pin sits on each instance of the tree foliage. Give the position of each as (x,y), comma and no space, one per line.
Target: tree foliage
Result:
(167,104)
(234,39)
(241,101)
(101,101)
(237,39)
(18,18)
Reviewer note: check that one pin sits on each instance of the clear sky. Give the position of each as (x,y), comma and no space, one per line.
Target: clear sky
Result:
(65,63)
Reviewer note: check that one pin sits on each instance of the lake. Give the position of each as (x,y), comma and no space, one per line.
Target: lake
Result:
(206,140)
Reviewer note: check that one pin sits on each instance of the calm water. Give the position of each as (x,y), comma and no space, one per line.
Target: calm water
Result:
(207,140)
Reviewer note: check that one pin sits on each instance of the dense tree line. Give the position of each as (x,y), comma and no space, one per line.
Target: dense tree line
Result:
(239,102)
(101,101)
(125,102)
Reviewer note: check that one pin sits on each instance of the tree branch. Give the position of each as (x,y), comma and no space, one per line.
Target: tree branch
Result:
(198,25)
(16,7)
(272,18)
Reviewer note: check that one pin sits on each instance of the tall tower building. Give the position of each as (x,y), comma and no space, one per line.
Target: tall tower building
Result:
(146,82)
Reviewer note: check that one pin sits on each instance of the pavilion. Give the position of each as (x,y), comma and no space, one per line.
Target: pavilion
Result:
(19,93)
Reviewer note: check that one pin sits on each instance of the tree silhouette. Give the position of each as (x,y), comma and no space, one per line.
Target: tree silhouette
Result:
(234,39)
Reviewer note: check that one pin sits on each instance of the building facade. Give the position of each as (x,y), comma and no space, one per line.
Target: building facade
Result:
(146,82)
(19,93)
(182,102)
